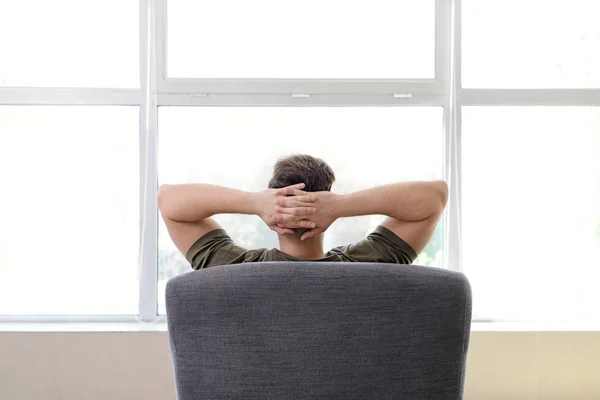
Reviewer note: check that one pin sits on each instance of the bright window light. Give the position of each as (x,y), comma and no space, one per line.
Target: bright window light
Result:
(531,211)
(69,43)
(305,39)
(531,44)
(70,224)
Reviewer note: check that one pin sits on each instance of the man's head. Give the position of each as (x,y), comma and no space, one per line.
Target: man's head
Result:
(302,168)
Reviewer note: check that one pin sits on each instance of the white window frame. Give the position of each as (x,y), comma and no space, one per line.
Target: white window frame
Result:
(156,90)
(384,87)
(499,97)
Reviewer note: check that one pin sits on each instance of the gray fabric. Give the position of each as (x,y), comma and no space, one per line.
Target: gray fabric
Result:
(304,330)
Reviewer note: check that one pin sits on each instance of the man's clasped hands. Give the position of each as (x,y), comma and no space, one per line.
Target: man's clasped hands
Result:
(290,208)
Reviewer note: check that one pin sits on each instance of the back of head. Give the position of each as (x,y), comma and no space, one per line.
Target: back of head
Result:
(315,173)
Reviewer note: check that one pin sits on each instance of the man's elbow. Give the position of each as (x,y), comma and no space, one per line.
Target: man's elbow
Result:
(443,189)
(442,196)
(162,199)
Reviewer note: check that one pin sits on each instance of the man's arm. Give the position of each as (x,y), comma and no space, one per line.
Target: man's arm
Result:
(413,209)
(187,208)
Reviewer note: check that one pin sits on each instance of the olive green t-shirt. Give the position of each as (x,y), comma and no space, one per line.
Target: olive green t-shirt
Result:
(382,245)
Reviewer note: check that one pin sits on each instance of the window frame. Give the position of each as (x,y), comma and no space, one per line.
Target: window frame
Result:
(211,87)
(156,90)
(483,97)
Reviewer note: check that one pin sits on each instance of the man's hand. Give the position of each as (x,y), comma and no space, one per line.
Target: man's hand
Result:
(325,205)
(271,202)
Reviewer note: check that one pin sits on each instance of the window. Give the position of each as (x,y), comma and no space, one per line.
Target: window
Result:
(531,44)
(531,211)
(333,39)
(360,143)
(69,43)
(530,145)
(70,224)
(101,102)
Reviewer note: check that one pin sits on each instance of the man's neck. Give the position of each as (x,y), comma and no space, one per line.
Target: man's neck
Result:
(310,249)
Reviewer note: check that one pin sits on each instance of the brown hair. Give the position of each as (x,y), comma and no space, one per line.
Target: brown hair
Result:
(302,168)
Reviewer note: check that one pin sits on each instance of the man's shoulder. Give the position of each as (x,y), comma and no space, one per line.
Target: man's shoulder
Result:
(381,245)
(218,248)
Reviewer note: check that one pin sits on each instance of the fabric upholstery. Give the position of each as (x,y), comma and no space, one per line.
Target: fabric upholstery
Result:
(308,330)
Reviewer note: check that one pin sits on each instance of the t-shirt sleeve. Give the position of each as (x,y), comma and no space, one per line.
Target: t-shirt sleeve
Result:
(383,246)
(217,248)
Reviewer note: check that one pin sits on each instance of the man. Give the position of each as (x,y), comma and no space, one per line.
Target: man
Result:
(300,206)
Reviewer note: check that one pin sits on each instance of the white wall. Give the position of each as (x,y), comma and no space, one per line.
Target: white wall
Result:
(137,365)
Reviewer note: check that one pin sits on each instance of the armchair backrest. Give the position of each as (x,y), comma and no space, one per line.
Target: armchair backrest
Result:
(314,330)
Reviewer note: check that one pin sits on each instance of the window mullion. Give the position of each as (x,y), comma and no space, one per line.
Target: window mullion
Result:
(531,97)
(311,100)
(69,96)
(452,167)
(148,167)
(443,32)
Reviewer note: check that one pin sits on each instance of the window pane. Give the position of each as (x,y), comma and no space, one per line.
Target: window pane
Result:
(531,216)
(531,44)
(69,205)
(69,43)
(307,39)
(238,147)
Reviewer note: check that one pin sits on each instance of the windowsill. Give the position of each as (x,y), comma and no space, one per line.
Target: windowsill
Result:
(162,326)
(535,326)
(83,326)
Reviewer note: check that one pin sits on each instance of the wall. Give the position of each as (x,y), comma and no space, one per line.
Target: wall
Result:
(137,365)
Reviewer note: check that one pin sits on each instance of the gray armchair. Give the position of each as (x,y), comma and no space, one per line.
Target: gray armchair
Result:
(315,330)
